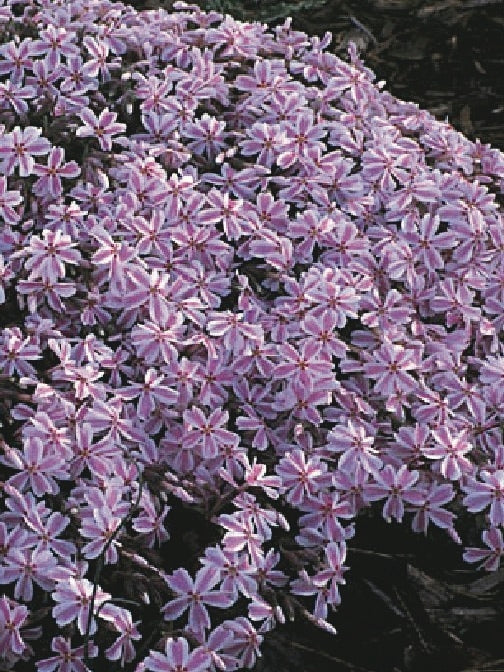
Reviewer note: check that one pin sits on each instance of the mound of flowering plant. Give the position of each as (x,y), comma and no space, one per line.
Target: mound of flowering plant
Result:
(246,294)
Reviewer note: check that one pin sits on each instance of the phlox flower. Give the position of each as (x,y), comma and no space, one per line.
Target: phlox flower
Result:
(301,477)
(208,136)
(16,353)
(97,63)
(356,447)
(265,140)
(389,368)
(16,59)
(8,201)
(12,618)
(451,448)
(102,127)
(67,659)
(397,486)
(49,254)
(51,174)
(16,96)
(492,555)
(26,566)
(241,533)
(235,332)
(384,314)
(427,244)
(177,657)
(48,291)
(301,135)
(235,570)
(489,492)
(38,468)
(323,512)
(305,365)
(47,531)
(456,301)
(492,371)
(151,392)
(54,43)
(101,527)
(432,510)
(19,147)
(122,649)
(208,434)
(150,521)
(265,572)
(73,601)
(331,576)
(245,643)
(194,595)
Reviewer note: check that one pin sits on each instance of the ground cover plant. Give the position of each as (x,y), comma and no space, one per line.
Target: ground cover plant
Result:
(248,299)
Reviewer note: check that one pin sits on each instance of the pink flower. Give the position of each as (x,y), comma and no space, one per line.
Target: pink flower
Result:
(301,477)
(194,595)
(356,446)
(265,140)
(19,147)
(50,175)
(16,353)
(427,244)
(491,556)
(152,391)
(451,449)
(235,332)
(241,533)
(38,467)
(122,649)
(207,434)
(431,510)
(25,567)
(8,200)
(208,134)
(235,570)
(177,658)
(16,59)
(305,365)
(68,659)
(301,135)
(323,512)
(102,127)
(97,64)
(73,601)
(391,362)
(12,619)
(48,256)
(100,528)
(491,492)
(150,521)
(332,573)
(246,641)
(55,42)
(397,486)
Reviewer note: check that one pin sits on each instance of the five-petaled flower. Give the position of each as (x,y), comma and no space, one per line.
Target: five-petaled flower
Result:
(195,595)
(177,658)
(19,147)
(103,127)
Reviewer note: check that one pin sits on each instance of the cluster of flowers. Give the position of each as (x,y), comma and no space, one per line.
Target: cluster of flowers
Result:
(243,284)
